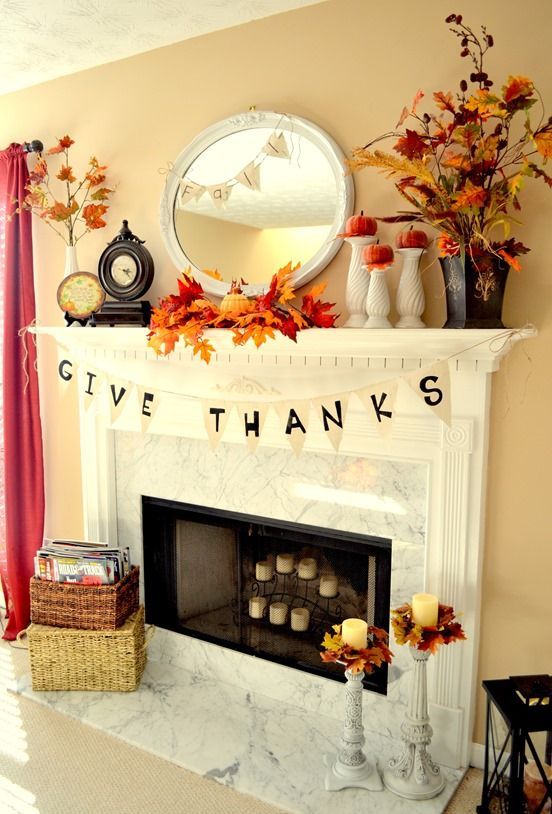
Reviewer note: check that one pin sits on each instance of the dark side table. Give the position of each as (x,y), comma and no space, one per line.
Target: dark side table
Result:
(525,705)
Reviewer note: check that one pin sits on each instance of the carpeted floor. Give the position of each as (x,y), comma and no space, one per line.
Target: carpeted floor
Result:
(52,764)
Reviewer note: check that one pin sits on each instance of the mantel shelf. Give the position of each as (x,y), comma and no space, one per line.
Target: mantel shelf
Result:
(339,346)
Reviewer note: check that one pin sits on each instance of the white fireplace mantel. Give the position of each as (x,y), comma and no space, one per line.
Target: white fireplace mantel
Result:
(340,347)
(455,455)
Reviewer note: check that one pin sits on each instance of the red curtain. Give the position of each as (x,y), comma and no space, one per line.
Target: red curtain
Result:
(23,478)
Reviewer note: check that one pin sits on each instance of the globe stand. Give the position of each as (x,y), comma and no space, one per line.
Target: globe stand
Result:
(350,768)
(413,774)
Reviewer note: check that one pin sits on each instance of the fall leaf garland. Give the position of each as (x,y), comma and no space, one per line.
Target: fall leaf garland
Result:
(190,313)
(365,660)
(426,638)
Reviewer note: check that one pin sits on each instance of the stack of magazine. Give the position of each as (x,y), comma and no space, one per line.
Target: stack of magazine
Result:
(81,561)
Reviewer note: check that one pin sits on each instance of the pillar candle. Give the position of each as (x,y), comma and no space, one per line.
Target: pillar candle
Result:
(355,633)
(257,605)
(425,610)
(264,570)
(278,613)
(284,563)
(307,568)
(328,585)
(300,618)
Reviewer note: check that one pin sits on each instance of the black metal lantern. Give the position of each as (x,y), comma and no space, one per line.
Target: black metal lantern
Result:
(525,706)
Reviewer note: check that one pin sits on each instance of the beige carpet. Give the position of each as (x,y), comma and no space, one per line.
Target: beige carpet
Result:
(52,764)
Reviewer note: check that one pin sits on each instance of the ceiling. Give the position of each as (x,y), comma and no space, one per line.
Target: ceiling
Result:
(42,40)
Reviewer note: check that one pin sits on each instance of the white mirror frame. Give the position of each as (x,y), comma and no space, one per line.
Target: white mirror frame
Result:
(247,121)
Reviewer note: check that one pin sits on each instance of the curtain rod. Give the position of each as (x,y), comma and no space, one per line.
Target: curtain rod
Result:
(34,146)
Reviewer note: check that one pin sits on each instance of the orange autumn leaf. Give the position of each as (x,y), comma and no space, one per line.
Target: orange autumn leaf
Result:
(513,262)
(417,99)
(205,349)
(486,104)
(58,211)
(516,87)
(66,174)
(444,101)
(543,140)
(471,196)
(92,215)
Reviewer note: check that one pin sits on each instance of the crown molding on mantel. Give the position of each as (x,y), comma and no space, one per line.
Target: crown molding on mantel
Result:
(393,349)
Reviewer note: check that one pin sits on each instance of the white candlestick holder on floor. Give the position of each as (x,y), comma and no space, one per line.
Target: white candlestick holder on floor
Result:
(350,768)
(358,281)
(413,774)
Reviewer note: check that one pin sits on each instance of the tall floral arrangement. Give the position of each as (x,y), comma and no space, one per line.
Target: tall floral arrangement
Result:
(79,204)
(462,168)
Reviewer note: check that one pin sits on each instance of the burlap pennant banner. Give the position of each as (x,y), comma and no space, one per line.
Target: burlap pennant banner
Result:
(250,177)
(93,380)
(118,392)
(215,418)
(188,191)
(294,416)
(432,385)
(67,370)
(253,417)
(148,404)
(379,401)
(332,411)
(276,146)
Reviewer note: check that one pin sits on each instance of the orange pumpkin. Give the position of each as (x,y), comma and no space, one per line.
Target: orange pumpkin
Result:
(235,301)
(412,239)
(359,225)
(377,256)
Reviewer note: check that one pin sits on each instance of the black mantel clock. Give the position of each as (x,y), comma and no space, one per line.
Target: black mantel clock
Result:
(125,271)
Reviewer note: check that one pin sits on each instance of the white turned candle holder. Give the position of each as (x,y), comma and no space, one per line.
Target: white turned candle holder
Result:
(358,282)
(410,302)
(413,774)
(378,304)
(350,768)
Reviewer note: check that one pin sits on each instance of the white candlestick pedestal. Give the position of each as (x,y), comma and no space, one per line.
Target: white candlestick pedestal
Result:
(350,768)
(413,774)
(378,304)
(358,281)
(410,300)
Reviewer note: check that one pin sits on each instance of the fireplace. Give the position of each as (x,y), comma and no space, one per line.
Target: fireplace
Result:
(260,586)
(423,488)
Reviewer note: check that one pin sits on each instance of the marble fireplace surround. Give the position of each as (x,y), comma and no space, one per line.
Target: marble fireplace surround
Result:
(424,487)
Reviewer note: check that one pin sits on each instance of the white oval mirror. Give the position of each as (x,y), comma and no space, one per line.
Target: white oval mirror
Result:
(252,193)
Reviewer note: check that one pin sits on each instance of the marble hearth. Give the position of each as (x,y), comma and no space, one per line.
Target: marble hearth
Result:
(423,488)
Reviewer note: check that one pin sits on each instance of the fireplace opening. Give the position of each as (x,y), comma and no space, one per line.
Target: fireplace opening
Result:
(261,586)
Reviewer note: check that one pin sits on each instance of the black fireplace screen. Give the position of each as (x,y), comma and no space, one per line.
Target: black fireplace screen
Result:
(261,586)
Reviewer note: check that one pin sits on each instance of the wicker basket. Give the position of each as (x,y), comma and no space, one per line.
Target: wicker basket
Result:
(101,660)
(87,607)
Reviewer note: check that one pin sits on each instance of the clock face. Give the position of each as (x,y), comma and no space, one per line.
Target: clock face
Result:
(124,270)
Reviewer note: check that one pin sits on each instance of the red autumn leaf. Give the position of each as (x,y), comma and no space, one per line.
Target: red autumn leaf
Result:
(411,145)
(417,99)
(516,87)
(316,311)
(189,289)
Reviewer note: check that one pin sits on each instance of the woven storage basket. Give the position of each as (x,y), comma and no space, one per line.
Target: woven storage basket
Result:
(87,607)
(102,660)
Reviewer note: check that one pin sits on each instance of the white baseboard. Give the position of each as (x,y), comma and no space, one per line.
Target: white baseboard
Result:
(477,756)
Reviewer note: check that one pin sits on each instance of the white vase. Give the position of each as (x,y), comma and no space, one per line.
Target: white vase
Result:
(358,281)
(410,293)
(378,304)
(71,261)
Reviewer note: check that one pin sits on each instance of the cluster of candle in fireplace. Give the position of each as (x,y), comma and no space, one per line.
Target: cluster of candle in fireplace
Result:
(285,566)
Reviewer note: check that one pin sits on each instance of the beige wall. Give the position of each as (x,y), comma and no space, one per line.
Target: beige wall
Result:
(350,66)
